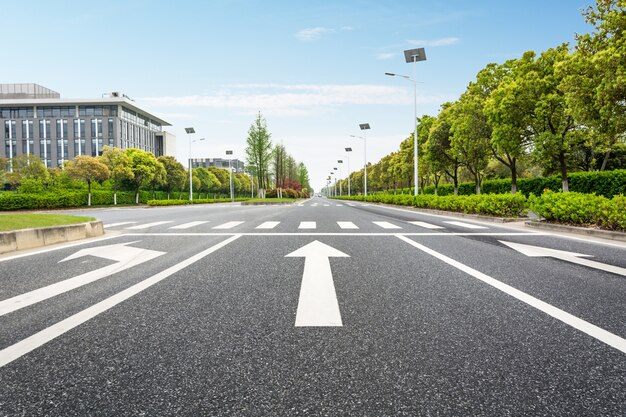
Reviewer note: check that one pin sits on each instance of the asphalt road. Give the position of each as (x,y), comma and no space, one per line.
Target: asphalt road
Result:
(319,309)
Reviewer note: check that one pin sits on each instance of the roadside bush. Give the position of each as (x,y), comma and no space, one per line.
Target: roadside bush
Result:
(501,205)
(581,209)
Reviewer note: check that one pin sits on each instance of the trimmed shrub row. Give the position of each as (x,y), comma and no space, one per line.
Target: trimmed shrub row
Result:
(606,183)
(501,205)
(197,201)
(581,209)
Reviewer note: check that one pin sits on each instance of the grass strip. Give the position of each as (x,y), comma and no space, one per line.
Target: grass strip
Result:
(31,220)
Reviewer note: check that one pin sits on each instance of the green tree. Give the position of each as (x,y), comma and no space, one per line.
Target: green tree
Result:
(259,151)
(439,150)
(594,77)
(158,179)
(88,169)
(175,174)
(144,166)
(303,176)
(119,166)
(556,134)
(471,135)
(29,167)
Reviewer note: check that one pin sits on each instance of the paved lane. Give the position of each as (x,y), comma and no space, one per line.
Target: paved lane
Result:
(215,333)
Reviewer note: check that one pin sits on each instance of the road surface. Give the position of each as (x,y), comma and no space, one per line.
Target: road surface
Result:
(319,308)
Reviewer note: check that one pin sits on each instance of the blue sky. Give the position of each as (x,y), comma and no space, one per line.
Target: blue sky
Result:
(314,69)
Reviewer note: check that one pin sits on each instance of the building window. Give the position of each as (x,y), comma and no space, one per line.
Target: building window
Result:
(79,136)
(28,144)
(44,141)
(62,135)
(111,133)
(96,137)
(10,142)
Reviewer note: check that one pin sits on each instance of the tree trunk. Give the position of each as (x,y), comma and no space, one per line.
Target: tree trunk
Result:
(605,160)
(513,176)
(137,197)
(88,193)
(563,166)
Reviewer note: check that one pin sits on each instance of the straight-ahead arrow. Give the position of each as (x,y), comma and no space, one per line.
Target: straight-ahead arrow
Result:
(124,255)
(575,258)
(318,305)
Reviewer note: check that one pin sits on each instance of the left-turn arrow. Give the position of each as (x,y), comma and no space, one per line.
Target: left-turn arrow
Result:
(318,305)
(124,255)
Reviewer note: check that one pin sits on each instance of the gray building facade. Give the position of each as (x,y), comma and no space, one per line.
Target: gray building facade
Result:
(237,165)
(36,120)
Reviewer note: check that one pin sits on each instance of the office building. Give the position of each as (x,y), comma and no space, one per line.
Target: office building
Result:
(36,120)
(237,165)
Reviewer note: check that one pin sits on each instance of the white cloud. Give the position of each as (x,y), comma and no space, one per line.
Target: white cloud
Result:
(312,34)
(296,99)
(435,42)
(383,56)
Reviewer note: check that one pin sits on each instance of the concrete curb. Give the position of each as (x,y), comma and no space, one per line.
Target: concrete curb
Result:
(587,231)
(32,238)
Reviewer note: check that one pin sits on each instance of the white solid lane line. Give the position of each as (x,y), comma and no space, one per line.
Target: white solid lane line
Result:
(567,318)
(267,225)
(307,225)
(347,225)
(118,224)
(189,225)
(426,225)
(148,225)
(228,225)
(386,225)
(13,352)
(466,225)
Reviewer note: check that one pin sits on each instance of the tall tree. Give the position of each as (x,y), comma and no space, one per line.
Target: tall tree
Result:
(144,166)
(594,77)
(119,166)
(88,169)
(439,149)
(175,174)
(259,150)
(471,135)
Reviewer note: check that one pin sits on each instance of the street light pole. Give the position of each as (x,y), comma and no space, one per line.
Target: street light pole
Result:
(348,158)
(340,162)
(230,169)
(190,131)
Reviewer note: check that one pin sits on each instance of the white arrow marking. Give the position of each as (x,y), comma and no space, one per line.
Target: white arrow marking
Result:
(126,257)
(575,258)
(567,318)
(318,304)
(21,348)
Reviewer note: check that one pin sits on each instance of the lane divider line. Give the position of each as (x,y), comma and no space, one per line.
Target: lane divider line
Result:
(21,348)
(567,318)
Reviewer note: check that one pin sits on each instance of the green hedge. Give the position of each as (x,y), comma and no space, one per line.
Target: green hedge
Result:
(581,209)
(501,205)
(606,183)
(154,203)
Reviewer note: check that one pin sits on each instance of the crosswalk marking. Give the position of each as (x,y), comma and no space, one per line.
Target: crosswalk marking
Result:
(314,204)
(426,225)
(387,225)
(347,225)
(228,225)
(307,225)
(326,205)
(118,224)
(339,205)
(466,225)
(148,225)
(268,225)
(351,205)
(188,225)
